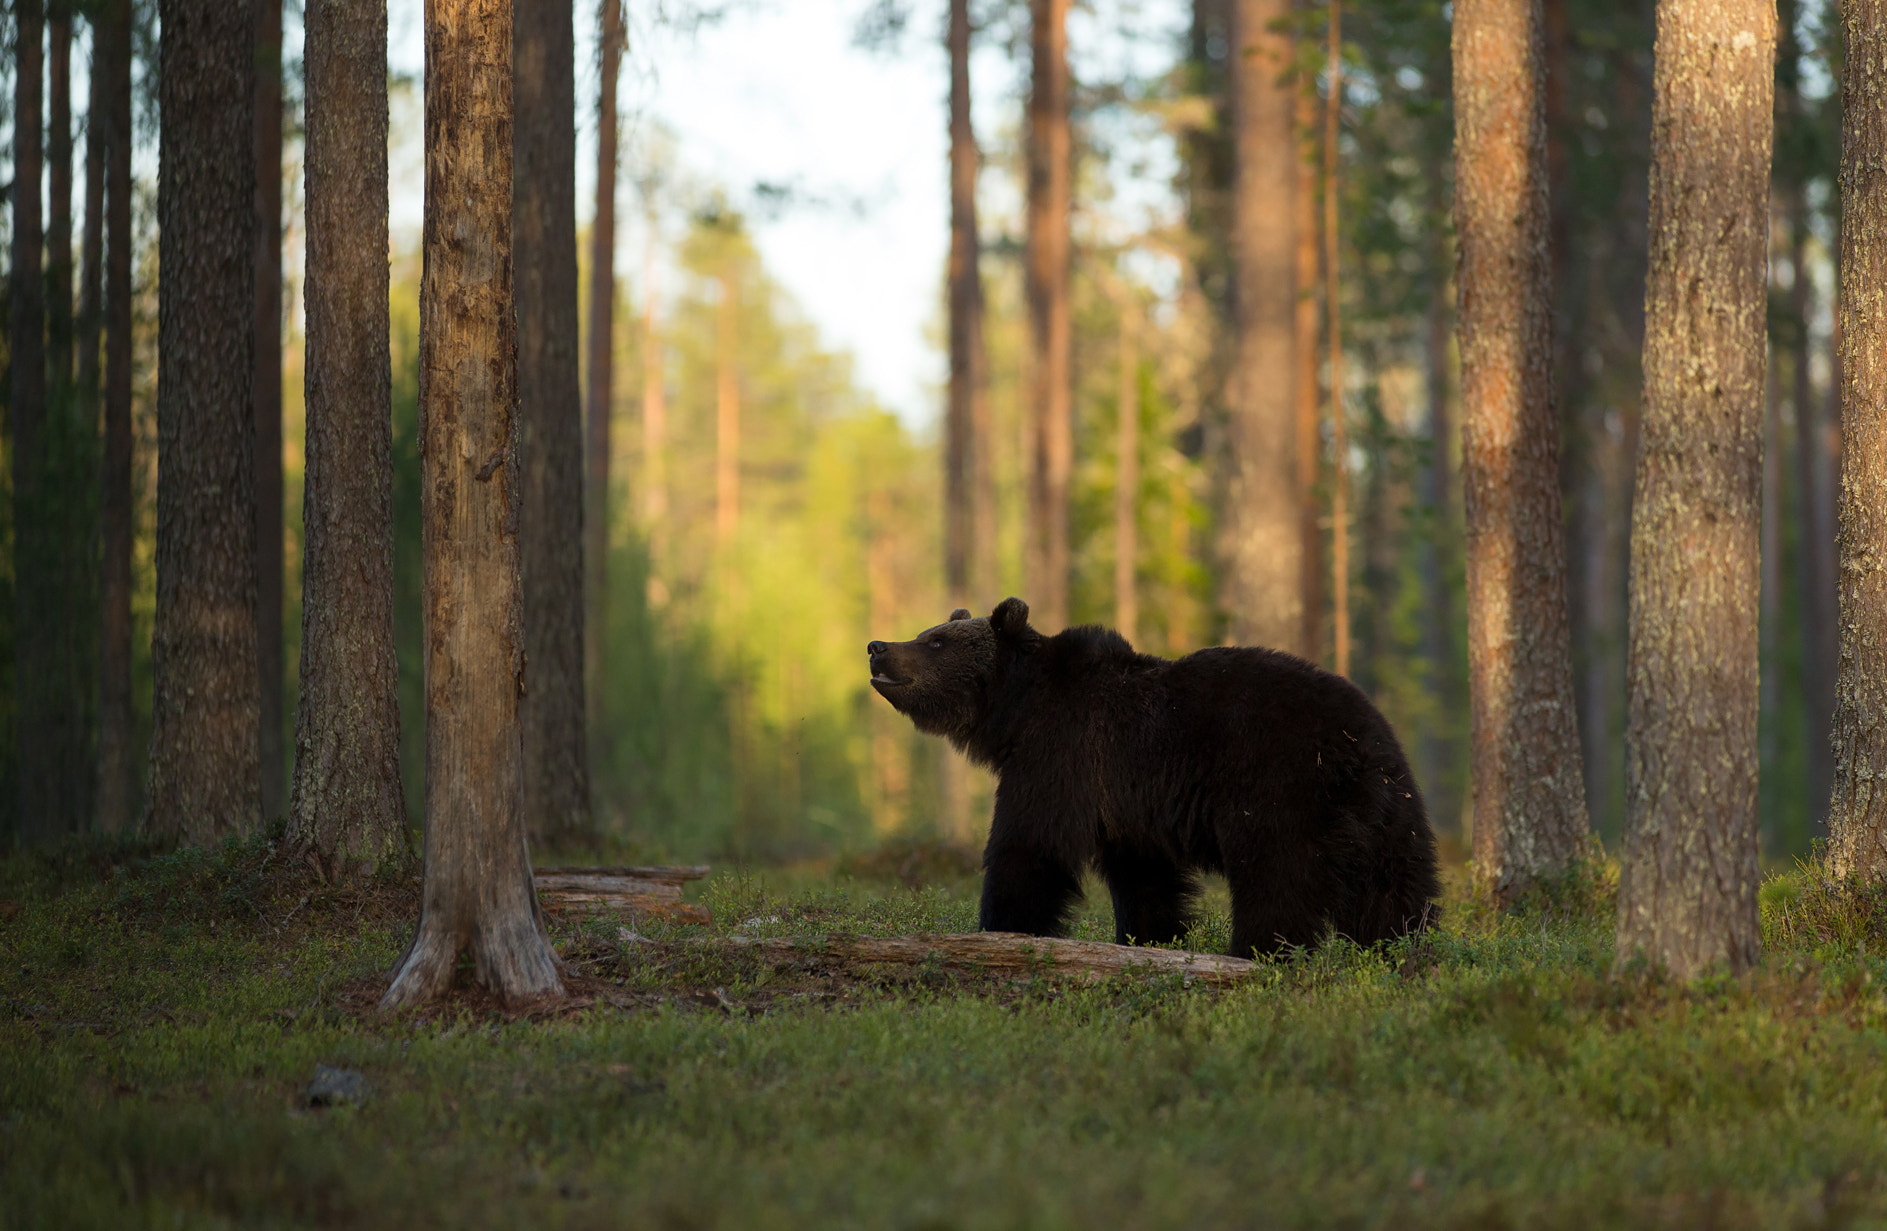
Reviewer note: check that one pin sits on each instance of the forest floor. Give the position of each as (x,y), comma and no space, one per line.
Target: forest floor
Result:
(162,1016)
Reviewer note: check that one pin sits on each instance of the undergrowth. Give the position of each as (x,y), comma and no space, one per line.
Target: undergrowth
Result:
(164,1011)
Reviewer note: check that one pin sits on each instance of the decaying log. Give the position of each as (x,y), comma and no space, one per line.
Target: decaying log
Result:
(649,892)
(1004,953)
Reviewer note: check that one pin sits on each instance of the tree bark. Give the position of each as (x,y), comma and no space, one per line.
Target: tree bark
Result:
(550,439)
(59,201)
(92,246)
(1009,953)
(1051,337)
(204,766)
(117,786)
(478,895)
(1687,893)
(1529,792)
(602,361)
(268,400)
(965,421)
(347,812)
(1306,338)
(1858,815)
(1333,312)
(1262,538)
(37,816)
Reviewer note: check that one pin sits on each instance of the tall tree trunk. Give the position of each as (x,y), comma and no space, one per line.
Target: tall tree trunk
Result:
(206,699)
(602,360)
(1262,538)
(268,400)
(1858,816)
(34,624)
(1127,476)
(347,812)
(59,198)
(117,786)
(92,247)
(478,895)
(1529,792)
(963,443)
(1339,429)
(1770,588)
(1687,893)
(726,417)
(550,440)
(1306,338)
(1051,337)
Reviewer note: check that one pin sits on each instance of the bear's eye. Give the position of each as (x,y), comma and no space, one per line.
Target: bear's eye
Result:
(936,643)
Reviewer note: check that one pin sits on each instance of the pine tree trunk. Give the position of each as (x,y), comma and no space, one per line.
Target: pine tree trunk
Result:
(1687,893)
(59,201)
(1333,339)
(1529,792)
(205,756)
(117,784)
(347,812)
(1306,338)
(1858,815)
(550,437)
(963,445)
(1051,434)
(268,400)
(478,894)
(602,361)
(34,628)
(92,246)
(1262,538)
(1817,538)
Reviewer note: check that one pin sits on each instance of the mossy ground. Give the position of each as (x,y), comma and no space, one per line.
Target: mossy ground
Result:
(161,1014)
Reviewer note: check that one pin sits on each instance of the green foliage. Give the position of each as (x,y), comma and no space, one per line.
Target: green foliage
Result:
(156,1031)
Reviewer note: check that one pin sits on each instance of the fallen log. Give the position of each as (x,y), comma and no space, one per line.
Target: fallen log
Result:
(647,892)
(1003,953)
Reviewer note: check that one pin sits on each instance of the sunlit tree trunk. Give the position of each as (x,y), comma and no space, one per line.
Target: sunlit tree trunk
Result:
(90,325)
(1858,815)
(205,754)
(347,812)
(1306,339)
(117,784)
(550,437)
(478,896)
(1051,338)
(268,398)
(1333,315)
(1262,538)
(1529,792)
(1687,894)
(602,360)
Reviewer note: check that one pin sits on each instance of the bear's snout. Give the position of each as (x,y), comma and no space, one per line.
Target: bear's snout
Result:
(876,648)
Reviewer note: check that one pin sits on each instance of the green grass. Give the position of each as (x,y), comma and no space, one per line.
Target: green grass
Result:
(160,1015)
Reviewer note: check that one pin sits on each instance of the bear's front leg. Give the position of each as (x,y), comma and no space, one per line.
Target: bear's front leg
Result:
(1026,890)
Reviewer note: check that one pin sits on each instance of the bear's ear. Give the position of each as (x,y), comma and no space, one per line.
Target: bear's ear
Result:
(1011,617)
(961,613)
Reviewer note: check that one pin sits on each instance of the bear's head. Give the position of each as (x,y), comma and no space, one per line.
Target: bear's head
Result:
(941,679)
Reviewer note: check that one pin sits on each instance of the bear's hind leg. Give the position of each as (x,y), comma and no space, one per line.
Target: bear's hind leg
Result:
(1026,890)
(1267,917)
(1152,895)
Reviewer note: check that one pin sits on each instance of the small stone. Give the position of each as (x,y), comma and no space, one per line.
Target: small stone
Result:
(332,1087)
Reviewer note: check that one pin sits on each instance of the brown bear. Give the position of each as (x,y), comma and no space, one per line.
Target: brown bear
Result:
(1247,762)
